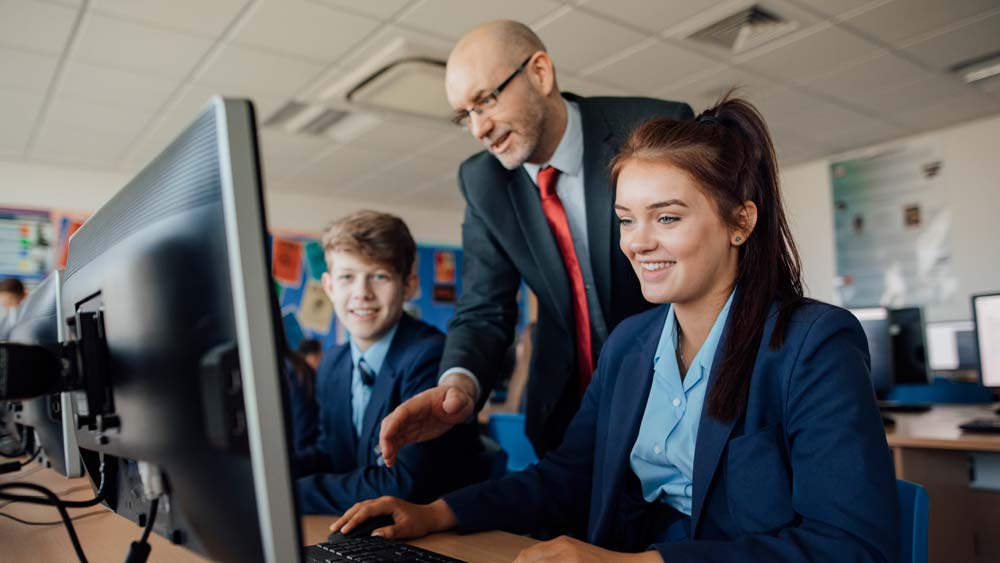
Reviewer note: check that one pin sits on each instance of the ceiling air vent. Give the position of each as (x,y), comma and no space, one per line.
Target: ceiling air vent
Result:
(744,30)
(304,119)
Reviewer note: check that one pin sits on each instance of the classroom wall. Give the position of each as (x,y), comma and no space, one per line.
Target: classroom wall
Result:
(50,187)
(971,174)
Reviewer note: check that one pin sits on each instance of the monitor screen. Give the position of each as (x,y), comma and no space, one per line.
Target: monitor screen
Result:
(986,315)
(909,354)
(875,322)
(168,301)
(947,346)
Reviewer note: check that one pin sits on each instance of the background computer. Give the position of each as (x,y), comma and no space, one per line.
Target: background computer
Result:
(47,419)
(986,317)
(951,346)
(875,322)
(909,351)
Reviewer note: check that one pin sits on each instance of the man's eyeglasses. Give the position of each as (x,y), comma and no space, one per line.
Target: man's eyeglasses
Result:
(461,117)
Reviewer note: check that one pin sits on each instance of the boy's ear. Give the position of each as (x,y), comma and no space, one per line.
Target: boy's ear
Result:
(411,285)
(327,281)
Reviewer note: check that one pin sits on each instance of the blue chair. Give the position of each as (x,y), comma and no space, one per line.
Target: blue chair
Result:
(508,431)
(913,516)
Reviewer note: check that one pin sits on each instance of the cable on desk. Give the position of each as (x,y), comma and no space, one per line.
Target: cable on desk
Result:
(31,471)
(54,500)
(13,466)
(52,522)
(98,499)
(59,494)
(138,552)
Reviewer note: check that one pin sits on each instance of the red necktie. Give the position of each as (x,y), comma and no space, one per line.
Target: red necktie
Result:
(555,214)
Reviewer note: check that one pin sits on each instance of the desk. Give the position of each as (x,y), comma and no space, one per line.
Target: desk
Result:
(929,449)
(105,537)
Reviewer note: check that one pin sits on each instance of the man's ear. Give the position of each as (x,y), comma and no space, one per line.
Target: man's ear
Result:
(542,72)
(746,218)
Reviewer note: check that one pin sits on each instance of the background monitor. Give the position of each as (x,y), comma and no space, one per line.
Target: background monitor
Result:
(167,296)
(986,316)
(50,417)
(875,322)
(950,345)
(909,352)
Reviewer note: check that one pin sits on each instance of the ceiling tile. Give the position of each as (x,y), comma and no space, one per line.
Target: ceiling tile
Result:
(382,9)
(110,86)
(99,118)
(584,87)
(456,148)
(282,152)
(979,38)
(403,137)
(25,70)
(811,54)
(649,16)
(33,25)
(904,96)
(836,7)
(404,175)
(18,112)
(949,111)
(652,67)
(571,38)
(898,20)
(706,89)
(65,144)
(335,171)
(195,16)
(453,18)
(256,73)
(880,71)
(139,48)
(303,29)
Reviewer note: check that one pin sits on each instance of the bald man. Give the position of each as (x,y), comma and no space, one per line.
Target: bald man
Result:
(538,209)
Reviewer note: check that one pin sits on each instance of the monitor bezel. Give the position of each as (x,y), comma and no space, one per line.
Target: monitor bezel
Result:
(975,328)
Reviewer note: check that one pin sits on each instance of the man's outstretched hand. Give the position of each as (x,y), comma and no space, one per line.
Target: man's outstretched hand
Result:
(424,416)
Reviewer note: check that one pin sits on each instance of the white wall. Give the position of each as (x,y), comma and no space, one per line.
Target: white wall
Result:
(971,174)
(49,187)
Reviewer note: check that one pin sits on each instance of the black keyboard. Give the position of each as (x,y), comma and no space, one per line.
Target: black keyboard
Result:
(982,426)
(372,549)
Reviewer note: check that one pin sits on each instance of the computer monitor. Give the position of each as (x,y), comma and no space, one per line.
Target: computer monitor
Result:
(951,345)
(168,301)
(986,316)
(875,322)
(909,353)
(50,417)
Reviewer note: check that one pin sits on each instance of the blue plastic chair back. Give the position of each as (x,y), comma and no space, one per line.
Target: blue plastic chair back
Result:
(914,512)
(941,390)
(508,431)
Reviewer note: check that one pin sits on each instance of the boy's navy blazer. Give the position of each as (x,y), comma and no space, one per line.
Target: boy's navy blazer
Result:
(343,468)
(804,475)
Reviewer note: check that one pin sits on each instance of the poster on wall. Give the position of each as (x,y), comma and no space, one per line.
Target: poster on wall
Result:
(893,229)
(27,244)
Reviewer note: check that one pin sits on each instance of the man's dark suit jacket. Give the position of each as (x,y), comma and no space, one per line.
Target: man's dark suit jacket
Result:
(804,475)
(505,238)
(343,469)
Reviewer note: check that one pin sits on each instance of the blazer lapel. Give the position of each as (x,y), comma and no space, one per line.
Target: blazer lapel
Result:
(713,435)
(339,408)
(528,208)
(382,397)
(628,404)
(599,148)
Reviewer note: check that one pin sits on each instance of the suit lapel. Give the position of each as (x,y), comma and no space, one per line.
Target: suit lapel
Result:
(599,148)
(339,409)
(713,435)
(528,208)
(628,404)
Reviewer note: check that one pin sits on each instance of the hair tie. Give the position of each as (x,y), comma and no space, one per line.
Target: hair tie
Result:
(709,119)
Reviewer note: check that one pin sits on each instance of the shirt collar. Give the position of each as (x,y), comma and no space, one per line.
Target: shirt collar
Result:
(568,157)
(375,355)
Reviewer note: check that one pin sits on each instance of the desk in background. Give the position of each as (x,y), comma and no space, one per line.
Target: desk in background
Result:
(106,537)
(929,449)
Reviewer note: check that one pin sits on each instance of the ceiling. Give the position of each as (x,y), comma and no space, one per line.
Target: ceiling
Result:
(105,84)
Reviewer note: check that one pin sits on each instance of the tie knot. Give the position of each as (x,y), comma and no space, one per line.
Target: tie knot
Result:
(367,375)
(547,178)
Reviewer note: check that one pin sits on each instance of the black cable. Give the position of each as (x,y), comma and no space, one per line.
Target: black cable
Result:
(138,552)
(32,458)
(53,522)
(59,494)
(19,475)
(149,523)
(53,500)
(101,495)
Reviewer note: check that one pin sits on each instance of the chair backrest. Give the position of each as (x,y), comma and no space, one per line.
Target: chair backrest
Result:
(914,510)
(508,431)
